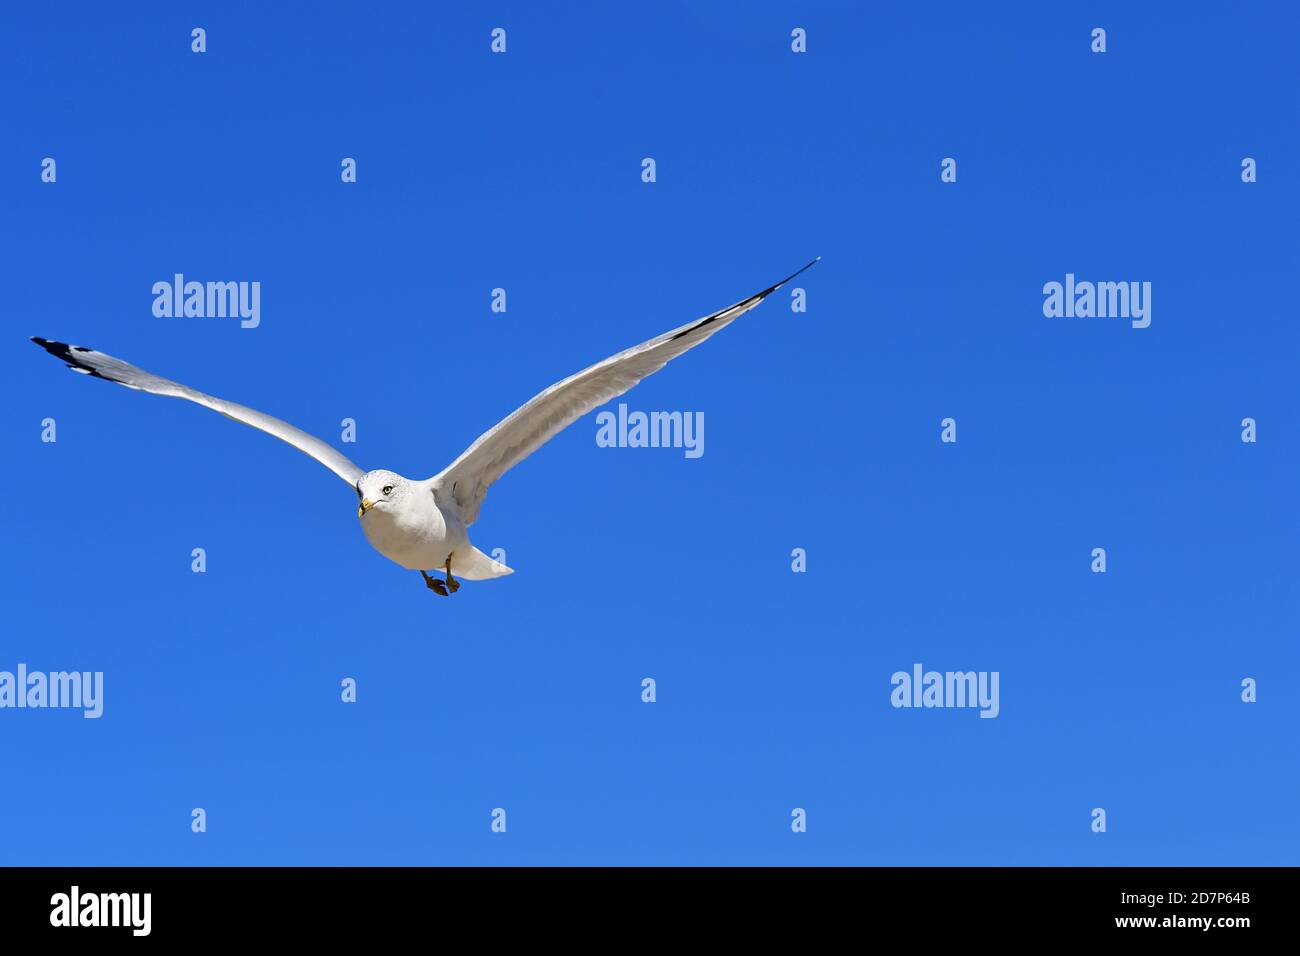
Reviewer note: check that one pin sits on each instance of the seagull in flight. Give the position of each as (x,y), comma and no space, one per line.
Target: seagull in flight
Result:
(421,524)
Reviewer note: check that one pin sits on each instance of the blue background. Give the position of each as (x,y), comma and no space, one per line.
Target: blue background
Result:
(522,171)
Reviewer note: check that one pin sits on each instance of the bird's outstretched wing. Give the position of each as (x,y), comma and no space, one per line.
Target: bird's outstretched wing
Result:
(89,362)
(496,451)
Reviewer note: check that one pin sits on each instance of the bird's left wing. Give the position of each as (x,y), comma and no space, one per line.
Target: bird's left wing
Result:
(89,362)
(496,451)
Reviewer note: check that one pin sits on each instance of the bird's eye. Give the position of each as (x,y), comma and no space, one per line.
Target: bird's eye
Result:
(388,489)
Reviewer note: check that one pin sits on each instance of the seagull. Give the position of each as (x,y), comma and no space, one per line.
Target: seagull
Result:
(421,524)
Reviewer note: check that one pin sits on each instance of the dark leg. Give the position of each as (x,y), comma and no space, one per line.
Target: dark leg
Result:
(452,584)
(433,584)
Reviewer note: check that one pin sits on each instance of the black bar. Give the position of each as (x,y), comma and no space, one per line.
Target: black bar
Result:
(331,905)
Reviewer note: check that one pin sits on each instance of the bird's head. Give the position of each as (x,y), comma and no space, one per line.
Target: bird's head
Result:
(379,490)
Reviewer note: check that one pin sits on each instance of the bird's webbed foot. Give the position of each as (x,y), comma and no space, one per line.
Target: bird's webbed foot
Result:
(433,584)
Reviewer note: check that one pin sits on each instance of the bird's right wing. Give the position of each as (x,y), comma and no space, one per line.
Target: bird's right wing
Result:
(467,479)
(89,362)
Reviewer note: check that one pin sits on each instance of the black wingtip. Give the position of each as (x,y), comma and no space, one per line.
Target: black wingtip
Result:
(64,351)
(814,262)
(772,288)
(745,303)
(58,349)
(760,296)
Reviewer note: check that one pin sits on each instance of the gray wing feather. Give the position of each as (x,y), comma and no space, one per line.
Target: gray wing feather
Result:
(514,438)
(97,364)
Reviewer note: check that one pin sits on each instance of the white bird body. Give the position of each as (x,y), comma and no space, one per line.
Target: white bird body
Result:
(421,524)
(411,528)
(417,533)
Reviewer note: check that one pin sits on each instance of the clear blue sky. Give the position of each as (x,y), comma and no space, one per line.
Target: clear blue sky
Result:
(522,171)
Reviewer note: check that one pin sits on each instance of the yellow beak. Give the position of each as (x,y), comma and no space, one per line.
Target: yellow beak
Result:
(366,505)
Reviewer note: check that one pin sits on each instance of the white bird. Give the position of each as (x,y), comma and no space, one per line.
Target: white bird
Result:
(422,524)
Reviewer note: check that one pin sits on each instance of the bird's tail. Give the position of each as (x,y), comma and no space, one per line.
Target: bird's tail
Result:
(477,566)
